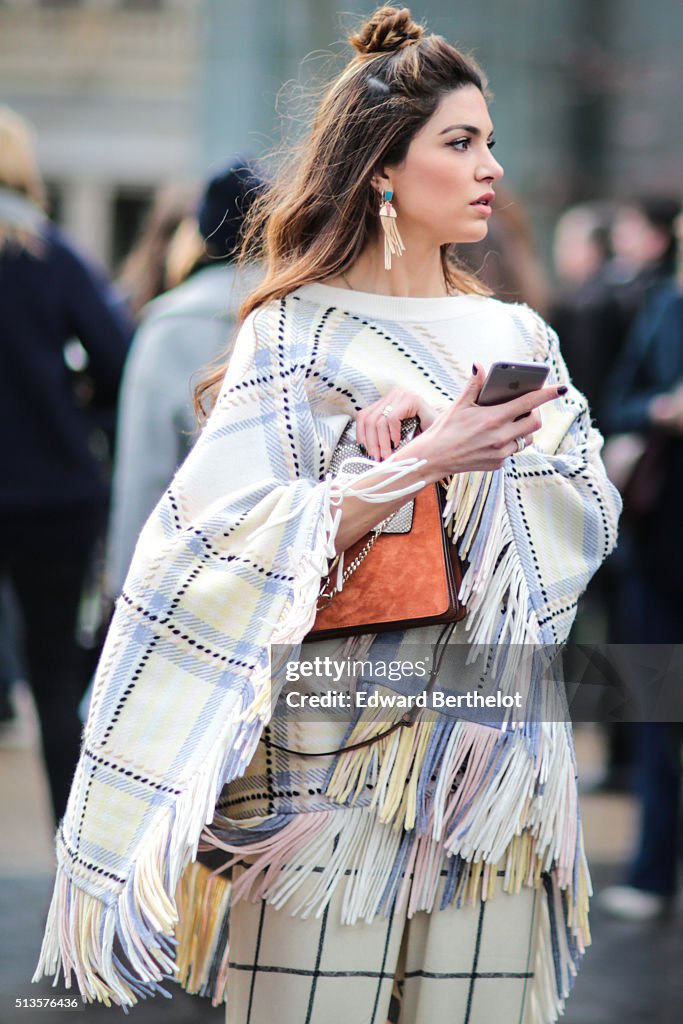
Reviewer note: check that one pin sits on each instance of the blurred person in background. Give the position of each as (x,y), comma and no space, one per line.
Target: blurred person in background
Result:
(179,333)
(10,671)
(646,398)
(143,273)
(584,310)
(507,260)
(588,316)
(643,238)
(161,257)
(52,491)
(608,259)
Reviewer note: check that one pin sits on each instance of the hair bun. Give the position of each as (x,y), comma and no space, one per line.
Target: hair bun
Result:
(387,30)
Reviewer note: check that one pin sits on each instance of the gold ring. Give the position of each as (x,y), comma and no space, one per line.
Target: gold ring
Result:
(521,443)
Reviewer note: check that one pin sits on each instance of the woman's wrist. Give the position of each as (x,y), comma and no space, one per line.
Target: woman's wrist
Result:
(359,514)
(422,448)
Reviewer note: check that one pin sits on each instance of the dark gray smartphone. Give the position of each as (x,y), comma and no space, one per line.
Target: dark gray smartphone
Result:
(506,381)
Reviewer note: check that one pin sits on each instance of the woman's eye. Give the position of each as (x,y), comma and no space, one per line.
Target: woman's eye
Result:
(465,143)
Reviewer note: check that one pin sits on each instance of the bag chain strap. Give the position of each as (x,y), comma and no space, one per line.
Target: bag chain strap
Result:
(327,592)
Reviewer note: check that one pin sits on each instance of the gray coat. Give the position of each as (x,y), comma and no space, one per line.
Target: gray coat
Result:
(180,333)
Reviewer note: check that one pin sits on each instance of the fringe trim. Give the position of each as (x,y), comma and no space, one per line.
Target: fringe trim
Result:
(446,788)
(81,929)
(544,1004)
(468,786)
(203,900)
(386,871)
(500,617)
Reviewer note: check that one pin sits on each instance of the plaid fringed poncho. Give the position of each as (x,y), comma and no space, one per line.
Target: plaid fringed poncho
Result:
(230,563)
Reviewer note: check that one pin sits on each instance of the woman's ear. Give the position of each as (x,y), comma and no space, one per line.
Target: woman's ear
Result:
(381,181)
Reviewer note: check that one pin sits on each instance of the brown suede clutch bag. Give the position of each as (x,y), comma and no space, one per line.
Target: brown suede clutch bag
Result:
(405,579)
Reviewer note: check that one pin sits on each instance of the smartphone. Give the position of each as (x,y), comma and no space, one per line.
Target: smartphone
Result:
(506,381)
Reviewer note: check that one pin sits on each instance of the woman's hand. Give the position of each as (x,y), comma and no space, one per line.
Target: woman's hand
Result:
(467,437)
(666,411)
(460,437)
(378,428)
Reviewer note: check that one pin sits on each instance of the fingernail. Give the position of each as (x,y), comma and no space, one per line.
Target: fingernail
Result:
(563,390)
(475,371)
(363,449)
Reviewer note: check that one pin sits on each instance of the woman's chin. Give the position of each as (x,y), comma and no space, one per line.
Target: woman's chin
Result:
(479,231)
(472,233)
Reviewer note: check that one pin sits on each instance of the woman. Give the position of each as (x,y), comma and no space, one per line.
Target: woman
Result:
(145,272)
(230,566)
(646,397)
(53,491)
(179,333)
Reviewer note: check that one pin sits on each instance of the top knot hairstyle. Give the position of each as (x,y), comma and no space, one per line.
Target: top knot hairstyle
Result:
(388,30)
(317,218)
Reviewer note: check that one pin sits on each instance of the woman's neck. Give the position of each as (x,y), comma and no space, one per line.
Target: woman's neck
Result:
(415,274)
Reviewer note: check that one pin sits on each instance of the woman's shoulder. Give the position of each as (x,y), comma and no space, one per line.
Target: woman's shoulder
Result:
(535,330)
(316,301)
(518,312)
(517,315)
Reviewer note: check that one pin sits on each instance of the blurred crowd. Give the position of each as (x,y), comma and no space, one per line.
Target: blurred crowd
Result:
(96,412)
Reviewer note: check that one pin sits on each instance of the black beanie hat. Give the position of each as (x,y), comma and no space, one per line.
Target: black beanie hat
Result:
(224,205)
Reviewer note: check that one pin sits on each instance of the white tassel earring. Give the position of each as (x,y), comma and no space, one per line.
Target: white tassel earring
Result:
(393,243)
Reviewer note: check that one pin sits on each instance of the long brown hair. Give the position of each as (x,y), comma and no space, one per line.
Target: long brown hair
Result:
(143,273)
(319,215)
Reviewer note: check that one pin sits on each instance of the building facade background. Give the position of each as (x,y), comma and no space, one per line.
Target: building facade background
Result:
(130,94)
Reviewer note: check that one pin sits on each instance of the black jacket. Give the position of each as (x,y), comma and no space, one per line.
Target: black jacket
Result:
(652,364)
(50,295)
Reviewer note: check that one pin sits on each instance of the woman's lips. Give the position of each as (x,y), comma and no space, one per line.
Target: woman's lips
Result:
(483,203)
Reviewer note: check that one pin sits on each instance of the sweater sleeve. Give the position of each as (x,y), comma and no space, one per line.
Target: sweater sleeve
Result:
(562,474)
(228,564)
(534,532)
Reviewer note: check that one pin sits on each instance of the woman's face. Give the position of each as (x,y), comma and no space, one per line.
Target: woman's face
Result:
(444,186)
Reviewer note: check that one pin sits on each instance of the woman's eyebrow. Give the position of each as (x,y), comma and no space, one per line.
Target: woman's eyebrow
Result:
(465,128)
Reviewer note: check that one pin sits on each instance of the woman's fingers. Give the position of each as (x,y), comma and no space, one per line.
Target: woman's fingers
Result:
(384,436)
(378,427)
(468,434)
(473,386)
(361,434)
(509,432)
(379,434)
(519,444)
(519,407)
(391,417)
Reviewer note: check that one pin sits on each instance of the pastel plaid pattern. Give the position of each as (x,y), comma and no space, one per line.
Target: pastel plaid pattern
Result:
(230,562)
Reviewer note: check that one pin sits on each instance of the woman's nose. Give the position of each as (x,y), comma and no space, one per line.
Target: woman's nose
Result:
(492,170)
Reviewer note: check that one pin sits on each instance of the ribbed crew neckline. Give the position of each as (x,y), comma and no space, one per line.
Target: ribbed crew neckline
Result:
(390,307)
